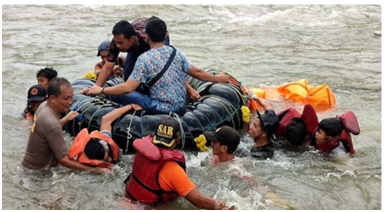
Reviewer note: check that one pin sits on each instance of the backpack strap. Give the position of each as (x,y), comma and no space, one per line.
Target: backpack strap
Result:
(159,75)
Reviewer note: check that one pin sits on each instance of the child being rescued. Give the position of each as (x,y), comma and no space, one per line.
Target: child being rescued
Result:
(98,148)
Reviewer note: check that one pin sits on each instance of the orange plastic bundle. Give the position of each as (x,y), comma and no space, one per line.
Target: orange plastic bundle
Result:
(321,97)
(300,91)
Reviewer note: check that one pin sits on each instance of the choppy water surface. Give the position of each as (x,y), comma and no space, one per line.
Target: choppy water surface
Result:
(339,45)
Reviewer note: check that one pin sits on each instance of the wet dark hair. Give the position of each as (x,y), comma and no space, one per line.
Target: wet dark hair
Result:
(55,84)
(156,29)
(331,126)
(48,73)
(295,132)
(125,28)
(94,150)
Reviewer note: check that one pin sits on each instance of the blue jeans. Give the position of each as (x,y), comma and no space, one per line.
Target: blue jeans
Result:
(134,98)
(130,61)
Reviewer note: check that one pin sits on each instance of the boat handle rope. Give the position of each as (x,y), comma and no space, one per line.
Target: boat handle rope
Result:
(129,135)
(181,128)
(105,105)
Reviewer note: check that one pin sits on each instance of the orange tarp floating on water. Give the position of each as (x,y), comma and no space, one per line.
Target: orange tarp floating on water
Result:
(265,93)
(300,91)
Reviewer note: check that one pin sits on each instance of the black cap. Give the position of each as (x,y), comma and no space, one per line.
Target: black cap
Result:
(166,132)
(104,46)
(225,136)
(36,93)
(269,122)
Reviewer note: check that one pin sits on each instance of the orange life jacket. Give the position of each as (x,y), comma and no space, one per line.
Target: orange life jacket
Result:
(143,183)
(82,139)
(29,115)
(99,65)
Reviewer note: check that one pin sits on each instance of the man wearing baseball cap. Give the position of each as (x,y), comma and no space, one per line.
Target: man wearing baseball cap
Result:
(46,146)
(102,52)
(36,95)
(159,172)
(262,131)
(224,142)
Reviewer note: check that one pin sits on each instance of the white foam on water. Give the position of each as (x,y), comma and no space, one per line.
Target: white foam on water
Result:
(339,176)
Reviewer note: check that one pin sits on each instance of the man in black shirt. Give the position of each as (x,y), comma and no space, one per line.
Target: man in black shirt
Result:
(262,131)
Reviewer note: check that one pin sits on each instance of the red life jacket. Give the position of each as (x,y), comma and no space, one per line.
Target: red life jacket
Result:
(329,144)
(350,125)
(308,116)
(82,139)
(143,183)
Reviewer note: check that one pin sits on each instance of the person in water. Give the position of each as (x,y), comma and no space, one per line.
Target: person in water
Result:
(159,172)
(46,145)
(296,128)
(333,134)
(36,95)
(262,131)
(98,148)
(224,142)
(43,76)
(102,52)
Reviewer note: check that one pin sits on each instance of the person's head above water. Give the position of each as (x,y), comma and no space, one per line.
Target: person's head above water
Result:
(328,128)
(295,132)
(224,139)
(36,95)
(264,126)
(102,51)
(98,149)
(167,133)
(45,75)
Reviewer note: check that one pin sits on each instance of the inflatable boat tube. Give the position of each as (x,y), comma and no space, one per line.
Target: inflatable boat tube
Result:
(220,104)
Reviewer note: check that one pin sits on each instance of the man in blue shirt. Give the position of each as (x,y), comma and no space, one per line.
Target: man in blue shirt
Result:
(169,92)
